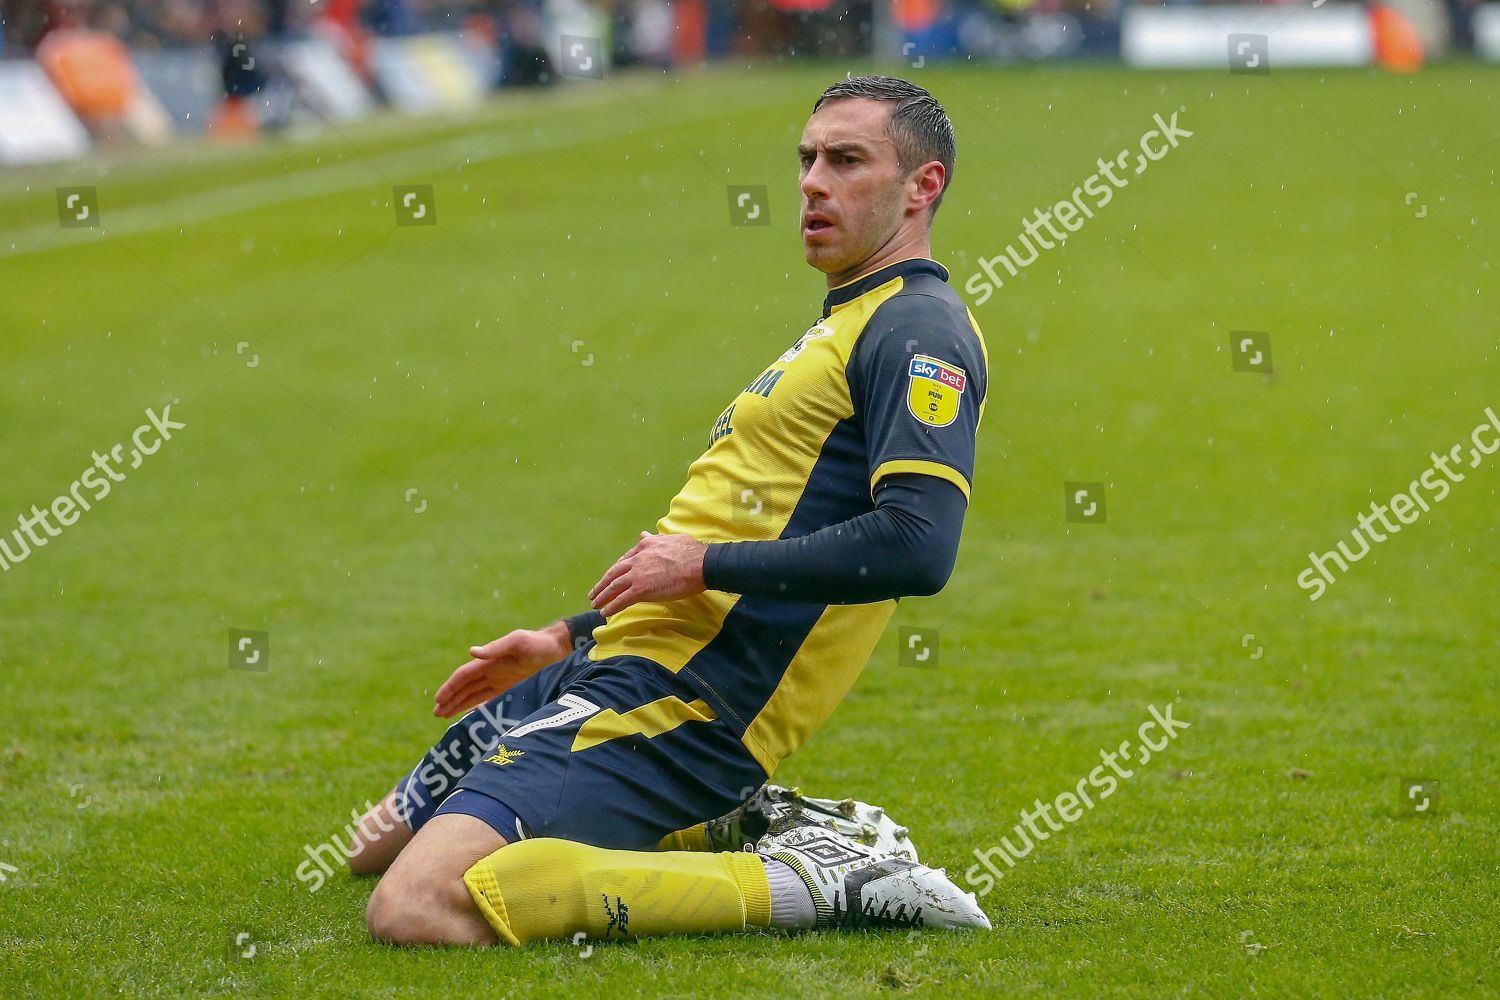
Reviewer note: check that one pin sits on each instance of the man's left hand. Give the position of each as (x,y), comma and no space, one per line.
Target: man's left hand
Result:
(659,568)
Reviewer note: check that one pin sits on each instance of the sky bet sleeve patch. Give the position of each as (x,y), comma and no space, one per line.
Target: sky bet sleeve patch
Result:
(934,390)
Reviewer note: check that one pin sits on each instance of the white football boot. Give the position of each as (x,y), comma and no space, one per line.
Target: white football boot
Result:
(859,821)
(854,886)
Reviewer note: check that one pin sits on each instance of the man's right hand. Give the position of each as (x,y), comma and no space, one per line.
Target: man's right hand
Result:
(498,665)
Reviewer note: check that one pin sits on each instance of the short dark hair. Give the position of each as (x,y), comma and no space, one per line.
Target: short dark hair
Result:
(919,127)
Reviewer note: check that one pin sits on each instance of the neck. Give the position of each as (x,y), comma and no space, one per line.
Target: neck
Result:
(898,247)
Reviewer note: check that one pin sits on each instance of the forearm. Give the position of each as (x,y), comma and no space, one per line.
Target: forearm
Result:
(904,548)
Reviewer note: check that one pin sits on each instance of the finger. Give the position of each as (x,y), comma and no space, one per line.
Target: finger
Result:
(461,676)
(456,694)
(614,573)
(447,710)
(462,701)
(465,676)
(616,587)
(443,708)
(460,687)
(646,536)
(621,601)
(611,574)
(495,647)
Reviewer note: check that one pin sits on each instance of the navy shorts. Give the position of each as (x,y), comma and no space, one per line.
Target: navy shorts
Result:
(616,754)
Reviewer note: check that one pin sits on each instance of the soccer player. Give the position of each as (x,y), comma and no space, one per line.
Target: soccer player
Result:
(834,483)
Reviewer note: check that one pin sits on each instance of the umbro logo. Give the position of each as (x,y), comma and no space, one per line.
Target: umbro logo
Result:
(830,852)
(502,756)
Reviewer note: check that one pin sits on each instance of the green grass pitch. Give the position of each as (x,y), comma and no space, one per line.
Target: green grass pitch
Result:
(542,364)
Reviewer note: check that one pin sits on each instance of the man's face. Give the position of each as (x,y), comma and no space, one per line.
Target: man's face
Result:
(853,190)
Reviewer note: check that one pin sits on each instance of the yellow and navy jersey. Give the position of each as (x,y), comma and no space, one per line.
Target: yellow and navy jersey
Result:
(890,380)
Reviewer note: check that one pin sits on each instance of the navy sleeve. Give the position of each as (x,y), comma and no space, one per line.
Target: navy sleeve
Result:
(917,379)
(905,547)
(581,627)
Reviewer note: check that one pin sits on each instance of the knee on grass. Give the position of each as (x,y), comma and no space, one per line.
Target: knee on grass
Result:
(409,913)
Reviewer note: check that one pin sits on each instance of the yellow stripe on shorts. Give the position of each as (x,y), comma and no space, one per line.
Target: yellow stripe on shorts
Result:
(660,716)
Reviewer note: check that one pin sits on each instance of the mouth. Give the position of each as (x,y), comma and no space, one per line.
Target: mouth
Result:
(815,223)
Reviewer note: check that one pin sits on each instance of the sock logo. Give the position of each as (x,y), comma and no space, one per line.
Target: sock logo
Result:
(619,915)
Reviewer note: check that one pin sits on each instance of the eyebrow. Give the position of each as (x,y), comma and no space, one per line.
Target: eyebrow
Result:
(841,146)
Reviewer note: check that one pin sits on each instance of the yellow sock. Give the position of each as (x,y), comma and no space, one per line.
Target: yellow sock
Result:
(551,889)
(694,838)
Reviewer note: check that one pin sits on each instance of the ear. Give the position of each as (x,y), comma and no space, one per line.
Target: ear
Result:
(925,185)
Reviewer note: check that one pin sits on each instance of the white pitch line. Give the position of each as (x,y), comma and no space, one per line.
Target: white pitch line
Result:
(401,166)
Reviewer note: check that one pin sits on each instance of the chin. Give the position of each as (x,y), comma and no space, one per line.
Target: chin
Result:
(823,259)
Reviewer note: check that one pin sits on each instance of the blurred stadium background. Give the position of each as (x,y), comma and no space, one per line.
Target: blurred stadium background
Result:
(447,295)
(84,70)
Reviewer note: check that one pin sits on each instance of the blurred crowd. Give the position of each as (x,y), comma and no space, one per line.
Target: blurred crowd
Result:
(642,31)
(149,24)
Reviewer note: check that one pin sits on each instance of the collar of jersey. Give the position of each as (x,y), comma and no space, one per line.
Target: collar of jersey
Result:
(851,290)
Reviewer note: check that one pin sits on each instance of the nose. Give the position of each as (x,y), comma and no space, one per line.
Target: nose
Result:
(813,182)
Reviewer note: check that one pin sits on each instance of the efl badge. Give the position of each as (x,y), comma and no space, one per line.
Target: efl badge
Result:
(935,391)
(813,333)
